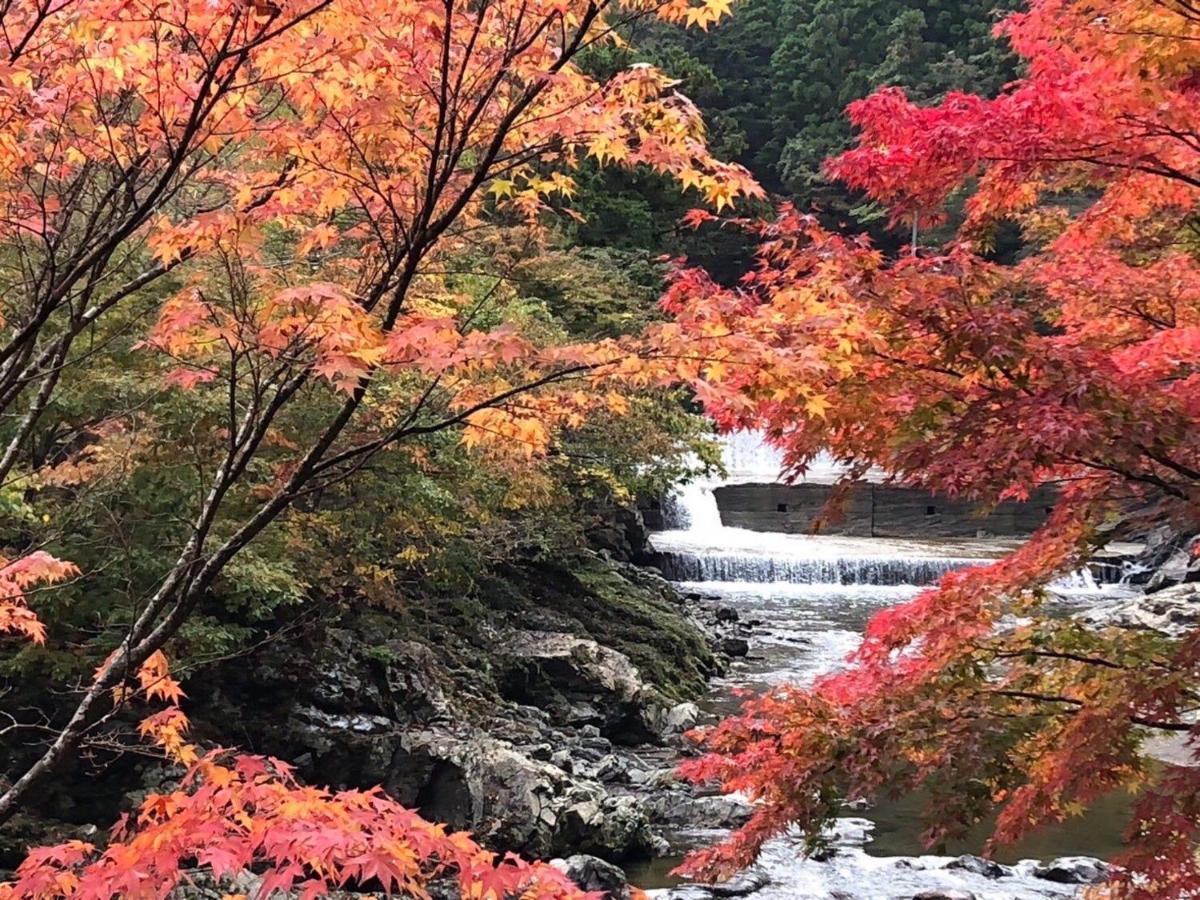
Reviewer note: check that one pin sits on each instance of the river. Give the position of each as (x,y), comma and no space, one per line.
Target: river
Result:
(806,600)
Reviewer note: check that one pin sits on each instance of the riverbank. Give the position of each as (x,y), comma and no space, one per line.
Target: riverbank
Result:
(801,603)
(794,633)
(516,712)
(545,713)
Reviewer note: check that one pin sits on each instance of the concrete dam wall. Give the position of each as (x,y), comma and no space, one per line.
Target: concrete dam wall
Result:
(874,510)
(754,494)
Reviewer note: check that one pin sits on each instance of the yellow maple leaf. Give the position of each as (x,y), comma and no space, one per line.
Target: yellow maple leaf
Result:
(816,405)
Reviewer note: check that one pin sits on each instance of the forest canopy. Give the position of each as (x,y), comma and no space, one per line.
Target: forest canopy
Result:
(336,304)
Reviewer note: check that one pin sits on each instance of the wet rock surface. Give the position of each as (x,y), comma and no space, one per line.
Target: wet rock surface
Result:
(980,866)
(578,682)
(593,874)
(1074,870)
(558,747)
(1170,611)
(540,712)
(849,873)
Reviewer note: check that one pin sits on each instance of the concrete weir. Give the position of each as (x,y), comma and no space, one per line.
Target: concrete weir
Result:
(755,496)
(751,527)
(801,603)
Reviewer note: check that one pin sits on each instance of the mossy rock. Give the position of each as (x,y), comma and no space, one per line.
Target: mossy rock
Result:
(618,606)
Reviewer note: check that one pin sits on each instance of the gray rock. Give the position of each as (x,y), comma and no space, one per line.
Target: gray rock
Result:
(579,682)
(563,759)
(589,755)
(742,885)
(1074,870)
(604,745)
(414,676)
(614,827)
(612,770)
(1171,572)
(593,874)
(680,718)
(977,865)
(507,799)
(1181,565)
(359,723)
(681,808)
(1171,611)
(735,646)
(947,894)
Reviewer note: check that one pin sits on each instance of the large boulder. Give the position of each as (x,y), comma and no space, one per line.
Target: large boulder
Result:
(621,533)
(508,799)
(1158,544)
(579,682)
(1074,870)
(354,714)
(977,865)
(1172,611)
(1181,567)
(473,781)
(593,874)
(678,719)
(681,808)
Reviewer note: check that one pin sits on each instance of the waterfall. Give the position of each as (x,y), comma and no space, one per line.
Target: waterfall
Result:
(734,567)
(699,548)
(694,509)
(749,458)
(1081,582)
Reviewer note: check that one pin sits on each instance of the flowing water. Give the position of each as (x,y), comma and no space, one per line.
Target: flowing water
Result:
(808,600)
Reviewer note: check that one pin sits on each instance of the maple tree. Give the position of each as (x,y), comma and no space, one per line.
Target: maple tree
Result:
(233,813)
(275,185)
(1077,366)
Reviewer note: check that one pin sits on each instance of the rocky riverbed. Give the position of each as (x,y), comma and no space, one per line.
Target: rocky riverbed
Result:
(547,718)
(558,733)
(792,634)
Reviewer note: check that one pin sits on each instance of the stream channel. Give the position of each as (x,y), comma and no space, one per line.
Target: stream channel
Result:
(806,600)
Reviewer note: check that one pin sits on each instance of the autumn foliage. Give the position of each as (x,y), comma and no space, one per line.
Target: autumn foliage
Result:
(234,814)
(16,579)
(259,201)
(1076,366)
(237,814)
(265,205)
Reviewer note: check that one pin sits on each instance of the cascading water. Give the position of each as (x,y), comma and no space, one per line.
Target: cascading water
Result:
(693,509)
(809,599)
(1081,582)
(738,567)
(699,548)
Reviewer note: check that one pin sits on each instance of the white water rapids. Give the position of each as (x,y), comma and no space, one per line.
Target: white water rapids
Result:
(807,599)
(699,548)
